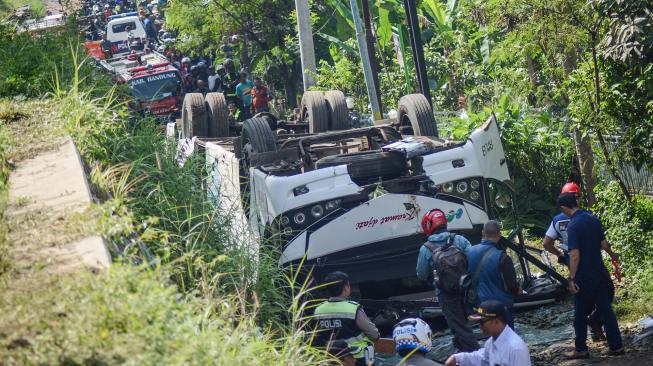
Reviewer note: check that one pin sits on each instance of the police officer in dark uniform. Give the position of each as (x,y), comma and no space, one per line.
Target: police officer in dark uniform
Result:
(342,325)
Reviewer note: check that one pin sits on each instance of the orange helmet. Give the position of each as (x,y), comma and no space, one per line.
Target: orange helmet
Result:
(571,187)
(433,220)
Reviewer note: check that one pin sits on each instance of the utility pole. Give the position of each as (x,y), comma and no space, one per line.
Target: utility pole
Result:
(365,60)
(306,49)
(369,37)
(418,50)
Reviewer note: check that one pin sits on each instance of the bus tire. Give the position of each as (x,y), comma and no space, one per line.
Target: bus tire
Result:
(315,112)
(194,116)
(258,134)
(218,115)
(338,112)
(415,111)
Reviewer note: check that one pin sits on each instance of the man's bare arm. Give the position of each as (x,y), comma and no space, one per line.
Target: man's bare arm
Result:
(574,259)
(548,244)
(606,247)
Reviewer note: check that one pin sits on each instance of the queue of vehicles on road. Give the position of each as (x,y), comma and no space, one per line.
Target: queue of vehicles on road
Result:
(125,53)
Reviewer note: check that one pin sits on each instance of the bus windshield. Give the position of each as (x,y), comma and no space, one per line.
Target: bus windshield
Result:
(155,87)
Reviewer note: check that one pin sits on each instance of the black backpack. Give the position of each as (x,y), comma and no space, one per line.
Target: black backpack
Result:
(450,266)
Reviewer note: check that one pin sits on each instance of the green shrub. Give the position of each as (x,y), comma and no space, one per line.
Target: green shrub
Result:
(6,114)
(628,225)
(132,316)
(29,63)
(156,208)
(634,298)
(538,151)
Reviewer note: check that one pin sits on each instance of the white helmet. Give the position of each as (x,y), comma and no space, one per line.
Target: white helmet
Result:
(185,60)
(412,333)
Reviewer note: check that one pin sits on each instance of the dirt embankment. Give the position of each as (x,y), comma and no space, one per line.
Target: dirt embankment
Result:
(550,335)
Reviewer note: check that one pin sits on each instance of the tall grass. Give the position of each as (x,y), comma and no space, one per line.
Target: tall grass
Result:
(132,316)
(156,208)
(197,295)
(8,114)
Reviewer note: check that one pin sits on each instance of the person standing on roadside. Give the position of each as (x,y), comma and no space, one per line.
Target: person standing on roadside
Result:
(106,46)
(493,272)
(589,280)
(201,87)
(219,83)
(230,81)
(212,78)
(259,96)
(107,12)
(504,347)
(558,231)
(150,30)
(443,255)
(244,92)
(342,325)
(234,113)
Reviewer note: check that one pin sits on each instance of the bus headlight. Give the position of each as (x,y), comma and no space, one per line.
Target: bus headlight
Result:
(317,211)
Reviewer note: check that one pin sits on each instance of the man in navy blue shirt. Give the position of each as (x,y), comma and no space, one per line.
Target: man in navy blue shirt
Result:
(589,280)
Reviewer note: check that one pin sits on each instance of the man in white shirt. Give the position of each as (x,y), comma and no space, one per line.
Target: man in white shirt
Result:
(504,347)
(213,77)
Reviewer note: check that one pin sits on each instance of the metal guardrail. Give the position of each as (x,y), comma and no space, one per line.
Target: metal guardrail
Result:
(636,180)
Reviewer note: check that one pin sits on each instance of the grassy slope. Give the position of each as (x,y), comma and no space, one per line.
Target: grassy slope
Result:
(128,315)
(8,6)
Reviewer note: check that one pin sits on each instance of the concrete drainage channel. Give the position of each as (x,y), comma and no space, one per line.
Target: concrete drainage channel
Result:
(55,180)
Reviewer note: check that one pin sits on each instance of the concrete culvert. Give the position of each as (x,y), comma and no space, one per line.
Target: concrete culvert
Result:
(314,111)
(193,116)
(338,112)
(415,111)
(218,115)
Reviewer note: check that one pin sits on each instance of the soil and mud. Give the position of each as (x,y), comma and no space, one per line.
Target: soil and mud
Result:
(549,333)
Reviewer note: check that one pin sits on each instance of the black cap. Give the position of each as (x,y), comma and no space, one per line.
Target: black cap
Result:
(489,309)
(567,200)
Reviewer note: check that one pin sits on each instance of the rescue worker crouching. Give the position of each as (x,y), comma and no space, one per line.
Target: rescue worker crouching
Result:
(444,255)
(342,325)
(504,347)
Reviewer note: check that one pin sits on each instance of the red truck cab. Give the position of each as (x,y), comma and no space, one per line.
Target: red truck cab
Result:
(157,90)
(154,83)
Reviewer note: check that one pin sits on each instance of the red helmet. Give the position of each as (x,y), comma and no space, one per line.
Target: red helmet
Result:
(571,187)
(433,220)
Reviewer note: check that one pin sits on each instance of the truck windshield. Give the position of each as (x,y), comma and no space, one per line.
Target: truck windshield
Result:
(155,87)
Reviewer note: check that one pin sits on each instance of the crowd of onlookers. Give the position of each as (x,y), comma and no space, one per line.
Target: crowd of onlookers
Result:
(245,95)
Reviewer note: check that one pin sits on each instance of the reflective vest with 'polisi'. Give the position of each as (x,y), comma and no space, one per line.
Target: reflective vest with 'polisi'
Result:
(336,320)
